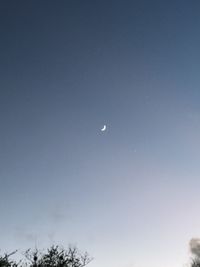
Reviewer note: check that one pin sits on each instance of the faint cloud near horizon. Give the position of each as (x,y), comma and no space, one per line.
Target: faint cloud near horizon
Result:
(30,236)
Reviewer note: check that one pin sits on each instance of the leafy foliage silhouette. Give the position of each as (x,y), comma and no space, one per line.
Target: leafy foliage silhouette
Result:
(5,260)
(195,262)
(54,257)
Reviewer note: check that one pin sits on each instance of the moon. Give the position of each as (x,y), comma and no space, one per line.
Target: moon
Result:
(104,128)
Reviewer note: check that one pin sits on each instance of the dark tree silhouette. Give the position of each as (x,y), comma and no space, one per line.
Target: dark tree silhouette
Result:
(54,257)
(5,260)
(195,262)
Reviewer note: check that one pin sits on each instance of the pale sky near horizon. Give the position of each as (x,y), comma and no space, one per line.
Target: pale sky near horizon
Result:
(129,195)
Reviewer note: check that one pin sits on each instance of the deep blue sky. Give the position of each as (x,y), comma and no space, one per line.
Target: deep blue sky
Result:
(128,195)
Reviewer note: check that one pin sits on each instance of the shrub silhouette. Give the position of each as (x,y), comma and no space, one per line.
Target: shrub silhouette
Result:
(195,262)
(54,257)
(6,262)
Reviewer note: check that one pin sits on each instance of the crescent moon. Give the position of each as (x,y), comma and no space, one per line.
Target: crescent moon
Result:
(104,128)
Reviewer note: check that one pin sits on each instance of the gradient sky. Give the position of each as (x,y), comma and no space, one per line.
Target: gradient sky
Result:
(129,195)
